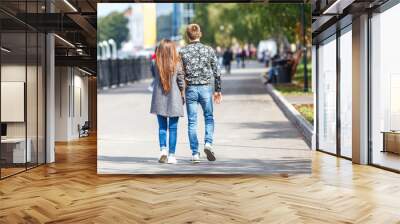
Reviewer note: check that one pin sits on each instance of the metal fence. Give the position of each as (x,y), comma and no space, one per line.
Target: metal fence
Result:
(114,72)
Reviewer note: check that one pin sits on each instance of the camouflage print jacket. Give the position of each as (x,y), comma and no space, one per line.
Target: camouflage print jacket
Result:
(200,64)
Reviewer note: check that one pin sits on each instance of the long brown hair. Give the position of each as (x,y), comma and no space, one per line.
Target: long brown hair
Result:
(167,58)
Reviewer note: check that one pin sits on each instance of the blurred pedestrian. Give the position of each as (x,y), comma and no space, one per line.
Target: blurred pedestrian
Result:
(267,57)
(219,54)
(238,54)
(243,57)
(273,71)
(253,51)
(153,70)
(227,59)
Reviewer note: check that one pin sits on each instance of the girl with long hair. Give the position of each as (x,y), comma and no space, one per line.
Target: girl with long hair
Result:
(167,99)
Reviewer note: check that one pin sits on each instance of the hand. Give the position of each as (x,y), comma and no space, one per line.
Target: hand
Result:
(217,97)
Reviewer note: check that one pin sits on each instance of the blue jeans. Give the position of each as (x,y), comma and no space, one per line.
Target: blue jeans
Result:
(202,94)
(273,73)
(162,132)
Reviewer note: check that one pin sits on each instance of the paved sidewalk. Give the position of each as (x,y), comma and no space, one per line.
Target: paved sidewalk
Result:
(251,133)
(300,99)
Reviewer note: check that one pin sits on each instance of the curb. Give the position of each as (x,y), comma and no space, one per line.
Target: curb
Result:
(305,128)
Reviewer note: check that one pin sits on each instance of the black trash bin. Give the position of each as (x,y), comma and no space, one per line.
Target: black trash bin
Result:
(284,70)
(284,74)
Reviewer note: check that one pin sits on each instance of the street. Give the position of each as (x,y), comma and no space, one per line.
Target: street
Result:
(252,136)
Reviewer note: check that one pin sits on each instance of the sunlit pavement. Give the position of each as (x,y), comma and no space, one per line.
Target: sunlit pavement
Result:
(251,134)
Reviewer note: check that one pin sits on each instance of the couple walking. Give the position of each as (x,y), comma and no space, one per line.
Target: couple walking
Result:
(181,78)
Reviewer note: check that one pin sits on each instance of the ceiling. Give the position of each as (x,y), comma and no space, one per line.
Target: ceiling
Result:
(74,22)
(332,14)
(209,1)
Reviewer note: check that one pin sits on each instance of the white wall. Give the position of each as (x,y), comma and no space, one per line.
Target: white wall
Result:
(80,110)
(71,102)
(9,73)
(12,73)
(33,126)
(62,82)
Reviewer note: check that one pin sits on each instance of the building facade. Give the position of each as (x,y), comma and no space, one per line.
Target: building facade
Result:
(141,25)
(171,18)
(358,81)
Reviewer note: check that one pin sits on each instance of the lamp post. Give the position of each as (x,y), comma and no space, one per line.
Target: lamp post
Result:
(303,22)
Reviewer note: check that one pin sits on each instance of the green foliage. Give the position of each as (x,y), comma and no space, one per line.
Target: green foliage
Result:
(251,22)
(307,111)
(296,88)
(202,17)
(299,76)
(113,26)
(292,89)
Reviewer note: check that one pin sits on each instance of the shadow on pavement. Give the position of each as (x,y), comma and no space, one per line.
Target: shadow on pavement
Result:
(148,165)
(274,129)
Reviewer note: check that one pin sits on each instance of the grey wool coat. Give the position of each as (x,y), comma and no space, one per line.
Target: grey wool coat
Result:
(170,104)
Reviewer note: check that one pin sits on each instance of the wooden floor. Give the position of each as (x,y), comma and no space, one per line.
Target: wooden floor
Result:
(70,191)
(5,172)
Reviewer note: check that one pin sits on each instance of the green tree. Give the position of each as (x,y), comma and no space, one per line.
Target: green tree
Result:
(113,26)
(202,18)
(251,22)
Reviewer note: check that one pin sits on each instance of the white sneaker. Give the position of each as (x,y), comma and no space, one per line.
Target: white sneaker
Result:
(196,158)
(209,152)
(172,159)
(163,155)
